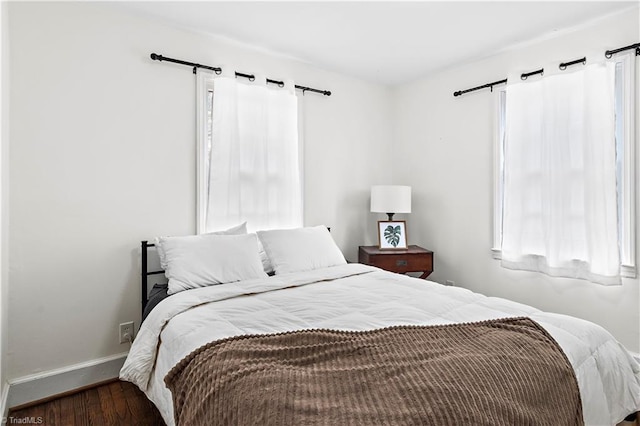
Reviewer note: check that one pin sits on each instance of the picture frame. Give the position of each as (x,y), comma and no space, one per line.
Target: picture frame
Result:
(392,235)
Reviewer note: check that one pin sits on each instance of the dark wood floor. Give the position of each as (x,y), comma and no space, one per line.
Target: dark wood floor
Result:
(115,403)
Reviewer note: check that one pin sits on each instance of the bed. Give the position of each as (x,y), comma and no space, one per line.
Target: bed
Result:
(315,291)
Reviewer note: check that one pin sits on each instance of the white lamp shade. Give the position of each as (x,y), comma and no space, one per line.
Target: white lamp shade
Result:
(390,199)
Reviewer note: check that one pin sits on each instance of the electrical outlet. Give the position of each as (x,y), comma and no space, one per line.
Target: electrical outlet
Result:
(126,332)
(450,283)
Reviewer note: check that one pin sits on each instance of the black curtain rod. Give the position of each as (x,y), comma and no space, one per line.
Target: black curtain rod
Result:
(484,86)
(563,66)
(609,53)
(218,70)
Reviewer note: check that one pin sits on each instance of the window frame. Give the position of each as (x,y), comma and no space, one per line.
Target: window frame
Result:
(498,182)
(628,214)
(627,239)
(204,83)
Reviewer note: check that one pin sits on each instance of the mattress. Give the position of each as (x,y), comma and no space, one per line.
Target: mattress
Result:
(358,297)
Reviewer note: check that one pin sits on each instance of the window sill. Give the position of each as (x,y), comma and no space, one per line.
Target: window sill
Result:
(626,271)
(496,253)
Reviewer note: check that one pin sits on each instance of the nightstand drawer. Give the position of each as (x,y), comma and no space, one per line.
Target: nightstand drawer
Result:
(412,259)
(403,262)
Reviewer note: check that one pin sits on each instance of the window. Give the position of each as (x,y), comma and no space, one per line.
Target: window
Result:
(624,173)
(248,166)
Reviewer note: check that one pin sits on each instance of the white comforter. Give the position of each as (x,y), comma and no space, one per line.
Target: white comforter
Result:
(359,297)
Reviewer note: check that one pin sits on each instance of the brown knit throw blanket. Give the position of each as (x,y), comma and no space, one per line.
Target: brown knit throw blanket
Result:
(498,372)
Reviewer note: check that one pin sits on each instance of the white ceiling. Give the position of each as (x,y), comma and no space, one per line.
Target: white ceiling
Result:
(384,42)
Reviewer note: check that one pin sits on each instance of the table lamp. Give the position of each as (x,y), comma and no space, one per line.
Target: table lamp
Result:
(390,199)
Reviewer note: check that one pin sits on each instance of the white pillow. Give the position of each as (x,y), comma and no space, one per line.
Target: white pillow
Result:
(209,259)
(234,230)
(301,249)
(266,263)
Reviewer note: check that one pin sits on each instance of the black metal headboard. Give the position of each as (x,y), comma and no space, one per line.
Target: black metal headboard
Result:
(144,273)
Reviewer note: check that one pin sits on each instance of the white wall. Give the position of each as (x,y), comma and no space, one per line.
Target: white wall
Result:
(4,143)
(103,155)
(447,144)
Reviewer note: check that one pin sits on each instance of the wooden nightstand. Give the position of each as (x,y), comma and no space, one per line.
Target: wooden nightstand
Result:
(413,259)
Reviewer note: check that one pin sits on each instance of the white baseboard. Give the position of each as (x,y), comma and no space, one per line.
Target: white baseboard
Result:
(43,385)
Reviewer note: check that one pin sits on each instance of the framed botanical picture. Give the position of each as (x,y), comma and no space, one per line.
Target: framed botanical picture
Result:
(392,234)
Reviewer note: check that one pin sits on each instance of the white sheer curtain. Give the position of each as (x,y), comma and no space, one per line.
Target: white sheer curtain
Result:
(559,206)
(254,172)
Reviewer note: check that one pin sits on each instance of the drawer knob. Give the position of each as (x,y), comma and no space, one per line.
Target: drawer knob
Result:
(401,263)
